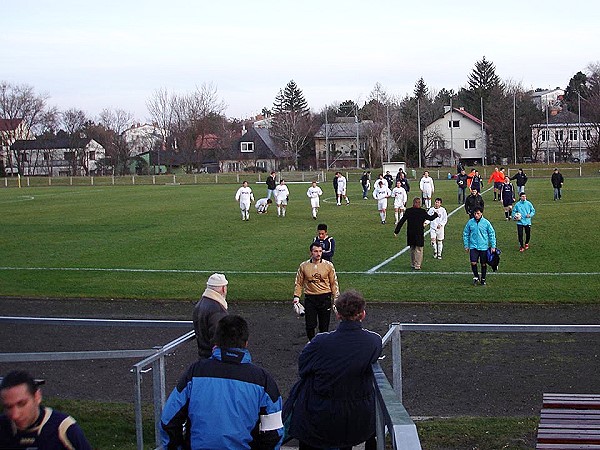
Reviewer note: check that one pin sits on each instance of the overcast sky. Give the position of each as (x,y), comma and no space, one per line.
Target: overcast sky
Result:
(115,54)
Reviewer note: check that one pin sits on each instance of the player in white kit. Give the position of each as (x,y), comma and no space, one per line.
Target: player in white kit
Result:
(245,197)
(314,192)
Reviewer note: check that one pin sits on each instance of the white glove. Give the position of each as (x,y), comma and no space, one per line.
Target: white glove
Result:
(298,308)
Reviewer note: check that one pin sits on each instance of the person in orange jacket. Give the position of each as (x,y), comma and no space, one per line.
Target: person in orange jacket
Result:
(497,178)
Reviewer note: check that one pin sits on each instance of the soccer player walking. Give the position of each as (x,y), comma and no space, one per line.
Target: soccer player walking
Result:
(400,198)
(427,188)
(381,194)
(318,279)
(282,195)
(314,192)
(522,212)
(437,226)
(245,196)
(478,236)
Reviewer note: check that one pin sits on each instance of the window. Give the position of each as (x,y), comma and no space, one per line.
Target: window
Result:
(247,147)
(69,156)
(261,164)
(438,144)
(586,135)
(91,155)
(470,143)
(559,135)
(454,124)
(572,135)
(545,135)
(46,156)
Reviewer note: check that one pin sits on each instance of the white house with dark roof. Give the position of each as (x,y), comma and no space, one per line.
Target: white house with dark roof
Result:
(257,150)
(456,133)
(58,156)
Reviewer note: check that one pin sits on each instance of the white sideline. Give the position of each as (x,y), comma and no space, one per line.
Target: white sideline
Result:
(270,272)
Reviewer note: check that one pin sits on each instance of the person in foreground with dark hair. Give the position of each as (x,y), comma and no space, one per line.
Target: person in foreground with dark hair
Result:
(26,424)
(333,403)
(224,402)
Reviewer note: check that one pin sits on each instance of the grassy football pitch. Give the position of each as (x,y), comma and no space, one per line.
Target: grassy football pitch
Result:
(163,241)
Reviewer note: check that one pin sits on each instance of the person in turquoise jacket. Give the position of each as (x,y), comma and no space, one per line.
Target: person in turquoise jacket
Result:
(526,211)
(478,236)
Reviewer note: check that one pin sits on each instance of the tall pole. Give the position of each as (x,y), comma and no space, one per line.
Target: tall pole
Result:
(326,141)
(547,138)
(579,124)
(419,130)
(451,131)
(357,141)
(515,126)
(388,131)
(483,141)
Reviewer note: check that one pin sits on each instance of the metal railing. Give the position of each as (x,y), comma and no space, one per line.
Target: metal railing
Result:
(394,336)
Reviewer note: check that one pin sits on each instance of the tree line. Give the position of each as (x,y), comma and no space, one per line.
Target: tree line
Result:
(187,122)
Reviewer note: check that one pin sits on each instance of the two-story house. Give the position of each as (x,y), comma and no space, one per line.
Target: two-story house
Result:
(456,136)
(336,143)
(563,137)
(58,156)
(256,150)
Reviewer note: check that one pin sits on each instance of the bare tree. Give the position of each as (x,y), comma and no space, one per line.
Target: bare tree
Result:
(21,102)
(112,124)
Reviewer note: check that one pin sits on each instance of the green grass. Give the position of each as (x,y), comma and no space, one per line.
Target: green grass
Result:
(112,426)
(107,425)
(510,433)
(160,241)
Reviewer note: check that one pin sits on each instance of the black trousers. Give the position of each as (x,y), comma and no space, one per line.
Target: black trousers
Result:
(527,229)
(317,312)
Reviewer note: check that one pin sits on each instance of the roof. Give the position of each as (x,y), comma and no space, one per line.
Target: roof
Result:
(265,146)
(467,115)
(207,142)
(339,130)
(51,144)
(10,124)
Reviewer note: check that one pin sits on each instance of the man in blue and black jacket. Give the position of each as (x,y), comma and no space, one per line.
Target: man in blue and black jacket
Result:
(224,401)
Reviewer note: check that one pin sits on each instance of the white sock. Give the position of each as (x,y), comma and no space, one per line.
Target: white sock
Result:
(440,246)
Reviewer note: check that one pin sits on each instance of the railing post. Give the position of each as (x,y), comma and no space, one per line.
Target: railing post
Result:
(158,386)
(137,404)
(397,360)
(379,424)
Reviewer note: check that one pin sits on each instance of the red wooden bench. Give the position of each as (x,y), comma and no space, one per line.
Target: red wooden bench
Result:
(569,421)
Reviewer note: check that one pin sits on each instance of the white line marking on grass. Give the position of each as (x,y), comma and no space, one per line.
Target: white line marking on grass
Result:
(252,272)
(405,249)
(22,198)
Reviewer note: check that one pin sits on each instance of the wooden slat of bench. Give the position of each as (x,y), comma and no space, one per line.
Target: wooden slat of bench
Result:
(567,447)
(569,421)
(571,425)
(579,401)
(582,414)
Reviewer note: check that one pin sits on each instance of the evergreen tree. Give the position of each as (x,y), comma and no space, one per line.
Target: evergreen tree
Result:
(292,123)
(421,90)
(577,86)
(482,84)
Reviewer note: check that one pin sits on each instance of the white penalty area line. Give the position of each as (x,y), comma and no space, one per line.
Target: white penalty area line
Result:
(250,272)
(405,249)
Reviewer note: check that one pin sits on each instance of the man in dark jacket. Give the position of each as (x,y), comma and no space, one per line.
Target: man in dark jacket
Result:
(461,181)
(333,404)
(211,308)
(401,177)
(557,183)
(271,184)
(521,180)
(416,217)
(473,201)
